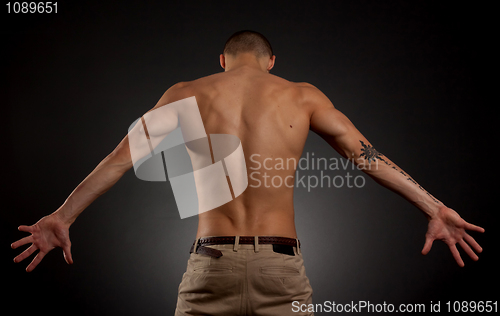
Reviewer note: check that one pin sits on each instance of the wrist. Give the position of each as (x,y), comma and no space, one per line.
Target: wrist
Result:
(434,211)
(62,215)
(430,209)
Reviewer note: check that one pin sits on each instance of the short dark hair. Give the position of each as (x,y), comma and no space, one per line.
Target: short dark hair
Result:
(248,41)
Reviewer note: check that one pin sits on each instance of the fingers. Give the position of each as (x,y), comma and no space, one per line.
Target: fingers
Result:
(25,228)
(473,243)
(23,241)
(35,261)
(427,245)
(456,255)
(468,250)
(67,254)
(25,254)
(473,227)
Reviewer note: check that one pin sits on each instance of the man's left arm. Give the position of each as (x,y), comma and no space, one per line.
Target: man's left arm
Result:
(113,167)
(444,223)
(53,230)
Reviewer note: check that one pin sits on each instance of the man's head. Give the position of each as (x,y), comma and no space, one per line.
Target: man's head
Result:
(246,47)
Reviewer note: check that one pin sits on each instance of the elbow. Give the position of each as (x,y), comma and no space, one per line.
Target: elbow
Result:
(119,160)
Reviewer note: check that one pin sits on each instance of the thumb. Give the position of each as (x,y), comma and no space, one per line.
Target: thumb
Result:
(427,245)
(67,254)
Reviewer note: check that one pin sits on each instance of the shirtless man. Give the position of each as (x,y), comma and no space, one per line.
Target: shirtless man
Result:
(271,116)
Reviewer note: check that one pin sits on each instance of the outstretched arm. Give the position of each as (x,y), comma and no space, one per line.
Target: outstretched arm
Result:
(444,223)
(53,230)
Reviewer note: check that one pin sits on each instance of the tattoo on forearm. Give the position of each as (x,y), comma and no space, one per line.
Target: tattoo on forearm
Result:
(371,154)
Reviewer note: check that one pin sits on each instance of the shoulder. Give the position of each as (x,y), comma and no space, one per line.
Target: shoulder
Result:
(176,92)
(180,88)
(312,97)
(309,90)
(195,86)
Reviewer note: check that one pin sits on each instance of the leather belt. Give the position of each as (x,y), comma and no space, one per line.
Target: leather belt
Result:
(243,240)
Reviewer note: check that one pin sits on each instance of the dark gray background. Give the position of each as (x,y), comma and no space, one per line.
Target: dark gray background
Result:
(413,77)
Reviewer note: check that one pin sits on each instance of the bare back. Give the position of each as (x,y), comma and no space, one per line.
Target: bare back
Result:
(267,114)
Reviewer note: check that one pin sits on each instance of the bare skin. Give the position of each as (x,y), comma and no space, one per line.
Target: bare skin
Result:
(272,117)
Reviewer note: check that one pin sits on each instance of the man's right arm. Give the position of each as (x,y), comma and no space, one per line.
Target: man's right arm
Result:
(444,223)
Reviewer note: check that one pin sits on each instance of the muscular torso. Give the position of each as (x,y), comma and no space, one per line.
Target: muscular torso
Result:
(268,115)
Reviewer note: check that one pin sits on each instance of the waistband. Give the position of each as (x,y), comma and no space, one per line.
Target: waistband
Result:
(200,243)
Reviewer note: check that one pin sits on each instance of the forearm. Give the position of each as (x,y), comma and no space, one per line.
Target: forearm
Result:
(389,175)
(335,128)
(99,181)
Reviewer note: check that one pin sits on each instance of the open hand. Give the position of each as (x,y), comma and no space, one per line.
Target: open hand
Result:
(449,227)
(48,233)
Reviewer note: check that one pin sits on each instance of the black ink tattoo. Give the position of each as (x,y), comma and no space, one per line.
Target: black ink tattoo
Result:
(370,153)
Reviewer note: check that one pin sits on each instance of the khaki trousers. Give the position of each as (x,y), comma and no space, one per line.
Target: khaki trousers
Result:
(246,280)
